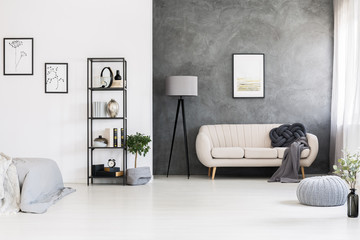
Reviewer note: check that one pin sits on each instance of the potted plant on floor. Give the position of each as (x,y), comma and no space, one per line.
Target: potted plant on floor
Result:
(138,144)
(349,166)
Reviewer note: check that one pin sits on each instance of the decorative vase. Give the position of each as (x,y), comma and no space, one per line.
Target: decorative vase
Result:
(106,81)
(352,204)
(113,108)
(100,142)
(118,82)
(138,176)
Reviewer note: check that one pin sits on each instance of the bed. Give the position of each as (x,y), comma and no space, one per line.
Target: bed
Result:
(39,181)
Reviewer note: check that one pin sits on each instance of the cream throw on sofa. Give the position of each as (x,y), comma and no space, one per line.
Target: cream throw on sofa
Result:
(245,145)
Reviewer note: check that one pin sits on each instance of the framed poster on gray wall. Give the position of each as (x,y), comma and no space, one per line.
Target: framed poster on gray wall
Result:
(248,75)
(18,56)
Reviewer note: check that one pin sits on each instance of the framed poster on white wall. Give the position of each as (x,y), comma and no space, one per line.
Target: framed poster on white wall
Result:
(18,56)
(56,78)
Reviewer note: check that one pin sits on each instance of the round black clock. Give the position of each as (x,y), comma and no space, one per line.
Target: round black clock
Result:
(111,163)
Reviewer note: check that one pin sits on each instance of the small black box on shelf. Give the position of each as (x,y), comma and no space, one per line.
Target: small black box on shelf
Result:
(97,167)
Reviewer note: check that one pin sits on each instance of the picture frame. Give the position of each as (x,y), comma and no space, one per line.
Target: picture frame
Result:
(56,78)
(248,75)
(18,56)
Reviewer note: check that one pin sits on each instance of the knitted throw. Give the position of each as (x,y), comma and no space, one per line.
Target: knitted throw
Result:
(286,134)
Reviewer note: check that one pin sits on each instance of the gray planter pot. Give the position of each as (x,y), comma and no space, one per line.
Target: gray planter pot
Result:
(138,176)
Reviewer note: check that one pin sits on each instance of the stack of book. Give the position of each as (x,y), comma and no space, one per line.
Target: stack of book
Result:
(100,171)
(99,109)
(113,135)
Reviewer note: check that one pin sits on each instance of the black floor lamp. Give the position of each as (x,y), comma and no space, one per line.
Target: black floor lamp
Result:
(181,86)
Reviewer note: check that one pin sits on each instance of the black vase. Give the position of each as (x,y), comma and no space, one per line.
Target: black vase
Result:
(352,204)
(117,76)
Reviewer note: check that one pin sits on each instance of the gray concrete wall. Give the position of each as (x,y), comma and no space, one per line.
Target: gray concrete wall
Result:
(198,37)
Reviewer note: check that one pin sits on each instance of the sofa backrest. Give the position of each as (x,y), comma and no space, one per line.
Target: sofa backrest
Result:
(239,135)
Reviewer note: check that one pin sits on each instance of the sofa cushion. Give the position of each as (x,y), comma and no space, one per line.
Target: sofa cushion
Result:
(227,152)
(260,153)
(239,135)
(281,150)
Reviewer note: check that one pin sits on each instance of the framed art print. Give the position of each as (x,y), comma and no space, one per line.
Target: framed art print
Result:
(248,75)
(56,77)
(18,56)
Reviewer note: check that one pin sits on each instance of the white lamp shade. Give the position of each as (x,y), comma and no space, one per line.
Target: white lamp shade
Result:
(182,86)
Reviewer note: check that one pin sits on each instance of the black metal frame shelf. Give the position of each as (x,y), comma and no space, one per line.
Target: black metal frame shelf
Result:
(106,147)
(107,59)
(104,176)
(106,118)
(107,89)
(90,118)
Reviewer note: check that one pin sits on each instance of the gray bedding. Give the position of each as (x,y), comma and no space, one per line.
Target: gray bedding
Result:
(41,184)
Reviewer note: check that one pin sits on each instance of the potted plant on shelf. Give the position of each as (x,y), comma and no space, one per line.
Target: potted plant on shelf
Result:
(349,166)
(138,144)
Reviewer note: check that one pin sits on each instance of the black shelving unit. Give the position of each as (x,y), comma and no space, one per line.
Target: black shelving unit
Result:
(90,116)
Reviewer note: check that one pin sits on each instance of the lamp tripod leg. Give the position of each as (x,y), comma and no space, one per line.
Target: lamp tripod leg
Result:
(173,137)
(185,137)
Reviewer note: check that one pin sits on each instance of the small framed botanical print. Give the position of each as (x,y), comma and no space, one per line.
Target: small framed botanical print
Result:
(56,78)
(248,75)
(18,56)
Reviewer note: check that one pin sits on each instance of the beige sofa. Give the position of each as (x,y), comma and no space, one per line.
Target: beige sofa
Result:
(245,145)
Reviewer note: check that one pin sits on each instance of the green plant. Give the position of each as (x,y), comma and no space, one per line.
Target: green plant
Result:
(138,144)
(349,166)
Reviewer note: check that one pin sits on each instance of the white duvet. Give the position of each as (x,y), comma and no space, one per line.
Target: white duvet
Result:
(9,186)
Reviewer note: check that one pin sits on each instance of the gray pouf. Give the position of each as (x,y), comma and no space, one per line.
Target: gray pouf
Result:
(138,176)
(324,191)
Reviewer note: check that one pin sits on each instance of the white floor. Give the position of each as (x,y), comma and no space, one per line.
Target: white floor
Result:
(178,208)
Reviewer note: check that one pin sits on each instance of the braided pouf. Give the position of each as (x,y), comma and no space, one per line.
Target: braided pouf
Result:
(325,191)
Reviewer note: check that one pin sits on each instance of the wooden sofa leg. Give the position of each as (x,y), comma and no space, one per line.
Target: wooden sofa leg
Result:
(209,173)
(213,173)
(303,172)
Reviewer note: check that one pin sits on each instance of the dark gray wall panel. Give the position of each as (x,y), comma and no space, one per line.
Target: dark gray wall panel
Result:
(198,37)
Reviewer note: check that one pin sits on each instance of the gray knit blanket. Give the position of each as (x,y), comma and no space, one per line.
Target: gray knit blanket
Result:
(284,136)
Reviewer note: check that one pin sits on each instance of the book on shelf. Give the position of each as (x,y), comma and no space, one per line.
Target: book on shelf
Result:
(99,109)
(115,137)
(96,109)
(113,169)
(109,174)
(109,136)
(112,135)
(122,137)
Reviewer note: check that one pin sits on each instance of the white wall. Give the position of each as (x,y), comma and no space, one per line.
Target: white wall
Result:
(35,124)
